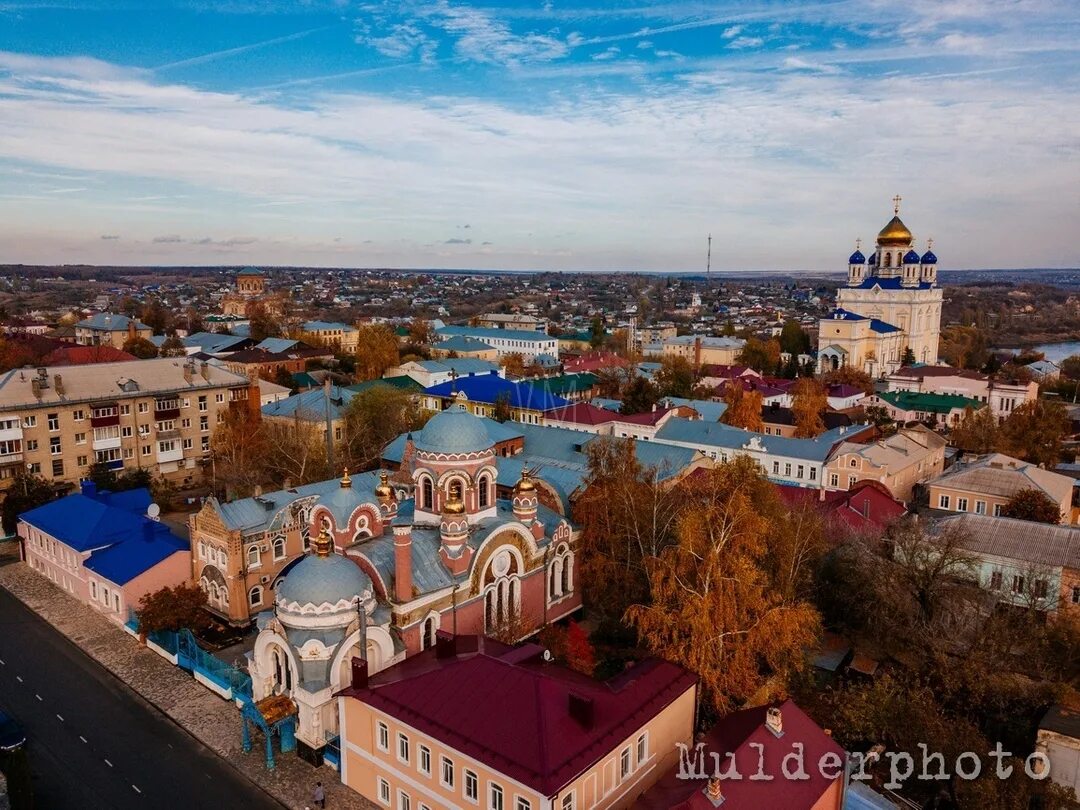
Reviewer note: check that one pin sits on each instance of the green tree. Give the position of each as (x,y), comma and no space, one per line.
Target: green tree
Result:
(596,333)
(375,417)
(639,396)
(1070,367)
(675,377)
(793,339)
(140,347)
(909,357)
(173,347)
(27,492)
(760,355)
(1035,431)
(1032,504)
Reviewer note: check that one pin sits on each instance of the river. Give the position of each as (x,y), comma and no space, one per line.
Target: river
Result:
(1056,352)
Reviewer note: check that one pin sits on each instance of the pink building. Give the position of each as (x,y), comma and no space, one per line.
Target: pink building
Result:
(102,548)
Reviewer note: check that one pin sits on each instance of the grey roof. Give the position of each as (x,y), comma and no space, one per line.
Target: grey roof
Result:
(212,343)
(311,406)
(701,433)
(710,411)
(109,322)
(1003,476)
(1062,720)
(1023,540)
(464,366)
(276,345)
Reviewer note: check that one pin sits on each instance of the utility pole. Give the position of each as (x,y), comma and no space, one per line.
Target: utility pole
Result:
(708,264)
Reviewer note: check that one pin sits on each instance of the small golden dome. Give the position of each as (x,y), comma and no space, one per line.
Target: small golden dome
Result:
(384,490)
(525,483)
(323,545)
(894,234)
(454,506)
(346,482)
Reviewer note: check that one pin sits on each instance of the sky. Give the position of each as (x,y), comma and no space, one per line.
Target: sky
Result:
(592,135)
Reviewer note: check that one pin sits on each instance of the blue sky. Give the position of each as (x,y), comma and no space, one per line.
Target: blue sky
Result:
(537,135)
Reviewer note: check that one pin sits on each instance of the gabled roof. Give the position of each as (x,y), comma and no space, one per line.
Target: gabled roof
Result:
(136,555)
(709,410)
(507,709)
(326,326)
(929,403)
(462,366)
(71,355)
(1003,476)
(716,434)
(213,343)
(564,383)
(402,382)
(110,322)
(272,344)
(311,406)
(1024,540)
(460,343)
(583,413)
(490,333)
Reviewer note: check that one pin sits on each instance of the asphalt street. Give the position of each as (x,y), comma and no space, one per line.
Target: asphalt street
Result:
(94,743)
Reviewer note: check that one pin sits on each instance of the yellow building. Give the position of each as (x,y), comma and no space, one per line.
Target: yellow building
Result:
(702,350)
(340,337)
(891,306)
(107,329)
(251,288)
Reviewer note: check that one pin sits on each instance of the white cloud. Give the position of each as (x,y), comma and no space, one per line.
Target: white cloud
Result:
(609,53)
(746,42)
(482,37)
(732,32)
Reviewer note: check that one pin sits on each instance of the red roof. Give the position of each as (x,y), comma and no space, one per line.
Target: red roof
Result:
(646,418)
(867,505)
(507,709)
(84,355)
(594,361)
(583,413)
(735,734)
(727,372)
(921,372)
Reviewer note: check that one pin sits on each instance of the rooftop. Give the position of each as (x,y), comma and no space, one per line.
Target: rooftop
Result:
(110,322)
(492,333)
(1024,540)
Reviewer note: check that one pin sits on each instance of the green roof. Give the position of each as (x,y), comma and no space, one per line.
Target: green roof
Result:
(403,382)
(581,337)
(402,331)
(564,384)
(929,403)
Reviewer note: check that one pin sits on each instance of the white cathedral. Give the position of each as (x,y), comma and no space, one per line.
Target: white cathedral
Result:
(889,310)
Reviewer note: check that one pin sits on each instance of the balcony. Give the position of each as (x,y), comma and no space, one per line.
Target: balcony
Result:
(8,459)
(110,443)
(166,410)
(105,421)
(165,456)
(13,434)
(168,434)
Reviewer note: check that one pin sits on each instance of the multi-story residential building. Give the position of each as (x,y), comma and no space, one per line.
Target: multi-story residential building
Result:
(1023,562)
(103,548)
(939,410)
(107,329)
(526,323)
(702,350)
(339,336)
(985,484)
(913,455)
(655,333)
(530,344)
(536,736)
(151,414)
(1002,395)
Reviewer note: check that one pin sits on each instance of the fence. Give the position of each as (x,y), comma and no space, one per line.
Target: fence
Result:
(181,648)
(332,750)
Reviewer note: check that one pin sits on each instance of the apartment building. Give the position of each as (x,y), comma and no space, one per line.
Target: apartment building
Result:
(912,456)
(474,722)
(528,323)
(339,336)
(702,350)
(530,344)
(1003,396)
(154,414)
(985,484)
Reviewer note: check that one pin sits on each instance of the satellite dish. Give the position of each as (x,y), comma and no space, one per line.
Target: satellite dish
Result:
(152,511)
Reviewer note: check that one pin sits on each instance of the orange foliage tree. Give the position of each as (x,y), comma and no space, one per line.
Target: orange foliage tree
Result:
(809,402)
(743,408)
(376,350)
(714,603)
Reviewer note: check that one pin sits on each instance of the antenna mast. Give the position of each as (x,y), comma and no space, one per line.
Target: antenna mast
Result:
(708,263)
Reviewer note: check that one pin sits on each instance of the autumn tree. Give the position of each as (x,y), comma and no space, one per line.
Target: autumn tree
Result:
(927,564)
(596,332)
(156,316)
(296,451)
(849,375)
(639,396)
(1070,367)
(627,515)
(240,449)
(713,606)
(1035,431)
(580,655)
(964,346)
(809,402)
(173,347)
(140,347)
(760,355)
(261,324)
(501,411)
(513,364)
(375,417)
(743,408)
(420,331)
(977,431)
(675,377)
(180,607)
(376,350)
(793,338)
(1032,504)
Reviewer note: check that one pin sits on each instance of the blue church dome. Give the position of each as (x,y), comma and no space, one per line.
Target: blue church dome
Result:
(873,258)
(911,257)
(857,258)
(454,430)
(929,258)
(323,580)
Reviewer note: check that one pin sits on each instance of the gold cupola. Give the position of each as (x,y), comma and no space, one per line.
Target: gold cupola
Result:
(384,491)
(894,234)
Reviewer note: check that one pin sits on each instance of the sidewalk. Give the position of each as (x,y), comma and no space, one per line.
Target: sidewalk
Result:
(210,719)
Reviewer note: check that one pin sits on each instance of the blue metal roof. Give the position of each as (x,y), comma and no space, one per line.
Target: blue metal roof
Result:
(703,434)
(892,283)
(911,257)
(488,388)
(857,258)
(250,515)
(876,325)
(484,332)
(460,343)
(321,326)
(929,258)
(710,411)
(136,555)
(276,345)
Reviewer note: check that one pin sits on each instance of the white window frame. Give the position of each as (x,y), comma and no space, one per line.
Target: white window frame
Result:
(470,779)
(496,796)
(423,760)
(403,749)
(446,766)
(384,792)
(642,742)
(382,737)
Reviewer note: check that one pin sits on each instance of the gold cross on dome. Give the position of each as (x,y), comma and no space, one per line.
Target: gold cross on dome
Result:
(896,203)
(930,243)
(858,244)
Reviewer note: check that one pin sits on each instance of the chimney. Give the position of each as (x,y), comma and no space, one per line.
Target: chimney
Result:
(713,792)
(188,370)
(132,334)
(58,384)
(581,709)
(403,586)
(445,644)
(35,386)
(774,721)
(257,491)
(359,673)
(697,351)
(204,370)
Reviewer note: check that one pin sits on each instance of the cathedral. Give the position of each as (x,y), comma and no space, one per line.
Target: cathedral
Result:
(394,563)
(890,310)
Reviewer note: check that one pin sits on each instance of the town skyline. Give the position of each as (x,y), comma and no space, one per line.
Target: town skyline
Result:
(529,136)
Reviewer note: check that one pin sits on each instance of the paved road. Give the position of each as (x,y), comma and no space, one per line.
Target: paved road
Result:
(94,743)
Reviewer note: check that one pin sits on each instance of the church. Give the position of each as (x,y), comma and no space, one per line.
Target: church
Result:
(889,314)
(392,564)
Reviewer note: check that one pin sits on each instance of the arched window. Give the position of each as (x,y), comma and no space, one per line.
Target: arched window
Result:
(279,548)
(427,632)
(567,581)
(888,259)
(426,494)
(255,596)
(484,484)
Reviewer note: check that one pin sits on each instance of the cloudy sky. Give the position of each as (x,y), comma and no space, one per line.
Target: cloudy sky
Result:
(606,134)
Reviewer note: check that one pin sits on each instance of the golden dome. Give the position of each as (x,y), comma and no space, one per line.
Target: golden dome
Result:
(346,482)
(454,506)
(894,234)
(323,545)
(525,484)
(384,490)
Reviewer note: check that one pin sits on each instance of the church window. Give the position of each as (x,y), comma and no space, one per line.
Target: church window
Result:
(253,556)
(484,484)
(428,633)
(255,596)
(888,259)
(279,548)
(426,493)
